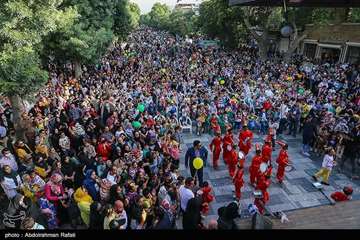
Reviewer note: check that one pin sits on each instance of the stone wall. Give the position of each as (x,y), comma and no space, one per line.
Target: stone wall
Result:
(346,32)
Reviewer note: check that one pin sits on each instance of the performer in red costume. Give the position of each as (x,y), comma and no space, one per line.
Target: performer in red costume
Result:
(215,147)
(263,182)
(266,155)
(238,181)
(233,161)
(345,195)
(260,204)
(207,197)
(283,161)
(215,124)
(228,142)
(255,165)
(245,139)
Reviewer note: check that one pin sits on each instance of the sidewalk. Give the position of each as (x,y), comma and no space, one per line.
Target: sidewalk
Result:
(343,215)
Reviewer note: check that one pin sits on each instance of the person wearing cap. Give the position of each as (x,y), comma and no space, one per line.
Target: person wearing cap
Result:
(233,161)
(266,154)
(197,151)
(283,161)
(245,139)
(215,147)
(345,195)
(262,184)
(255,165)
(228,142)
(238,180)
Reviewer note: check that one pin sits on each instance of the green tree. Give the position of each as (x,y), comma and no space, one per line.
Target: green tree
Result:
(182,22)
(159,16)
(126,17)
(88,38)
(217,19)
(23,26)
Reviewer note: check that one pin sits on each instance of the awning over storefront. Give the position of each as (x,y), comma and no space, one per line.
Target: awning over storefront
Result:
(323,45)
(297,3)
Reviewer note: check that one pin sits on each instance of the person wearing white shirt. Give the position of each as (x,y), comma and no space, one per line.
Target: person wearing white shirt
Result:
(8,159)
(327,165)
(186,193)
(284,109)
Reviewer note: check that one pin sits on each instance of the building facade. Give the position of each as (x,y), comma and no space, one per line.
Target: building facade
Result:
(335,43)
(188,5)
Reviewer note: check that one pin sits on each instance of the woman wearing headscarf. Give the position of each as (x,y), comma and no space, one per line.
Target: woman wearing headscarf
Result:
(48,209)
(10,181)
(68,169)
(116,193)
(96,218)
(192,216)
(84,201)
(91,184)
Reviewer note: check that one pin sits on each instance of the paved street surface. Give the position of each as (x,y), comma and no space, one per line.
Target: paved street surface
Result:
(343,215)
(296,192)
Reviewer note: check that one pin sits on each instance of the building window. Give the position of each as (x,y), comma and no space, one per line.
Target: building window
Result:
(353,55)
(310,50)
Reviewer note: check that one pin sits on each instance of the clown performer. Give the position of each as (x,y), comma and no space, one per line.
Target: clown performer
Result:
(266,155)
(283,161)
(228,142)
(215,147)
(238,180)
(245,139)
(255,165)
(233,161)
(263,182)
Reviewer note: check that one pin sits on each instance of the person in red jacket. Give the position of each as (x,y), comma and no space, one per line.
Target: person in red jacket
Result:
(262,184)
(215,147)
(245,139)
(104,149)
(228,142)
(345,195)
(260,204)
(215,124)
(283,161)
(266,154)
(238,180)
(233,161)
(255,165)
(207,197)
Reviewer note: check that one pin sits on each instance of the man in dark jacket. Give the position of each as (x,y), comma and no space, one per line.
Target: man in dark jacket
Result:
(227,216)
(294,119)
(196,151)
(308,134)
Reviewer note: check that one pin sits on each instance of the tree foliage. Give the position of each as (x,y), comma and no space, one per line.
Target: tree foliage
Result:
(178,21)
(94,29)
(23,26)
(127,18)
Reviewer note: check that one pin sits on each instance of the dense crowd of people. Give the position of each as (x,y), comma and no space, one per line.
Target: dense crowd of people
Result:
(103,151)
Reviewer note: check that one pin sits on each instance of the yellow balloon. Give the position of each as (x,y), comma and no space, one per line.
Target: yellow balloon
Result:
(198,163)
(222,82)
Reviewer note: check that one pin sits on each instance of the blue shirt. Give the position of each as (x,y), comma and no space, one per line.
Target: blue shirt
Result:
(2,131)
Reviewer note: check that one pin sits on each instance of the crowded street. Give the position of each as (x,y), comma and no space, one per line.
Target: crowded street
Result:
(131,144)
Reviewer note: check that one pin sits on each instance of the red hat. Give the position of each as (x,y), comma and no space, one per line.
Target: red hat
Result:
(281,143)
(348,190)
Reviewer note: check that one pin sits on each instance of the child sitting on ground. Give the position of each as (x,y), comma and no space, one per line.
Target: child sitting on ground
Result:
(345,195)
